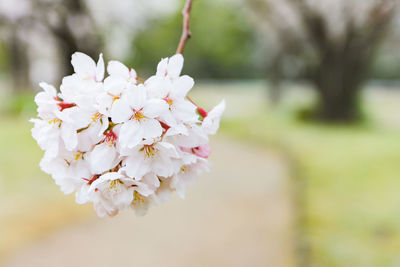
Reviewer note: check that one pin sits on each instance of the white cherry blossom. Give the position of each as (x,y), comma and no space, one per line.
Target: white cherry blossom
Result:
(138,115)
(104,155)
(123,142)
(110,193)
(156,158)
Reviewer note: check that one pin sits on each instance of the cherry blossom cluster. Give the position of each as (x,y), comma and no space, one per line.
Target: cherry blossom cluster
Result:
(120,141)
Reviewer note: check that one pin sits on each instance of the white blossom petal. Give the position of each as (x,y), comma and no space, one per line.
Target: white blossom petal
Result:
(137,97)
(175,65)
(182,86)
(211,122)
(154,108)
(104,157)
(162,67)
(120,111)
(136,167)
(116,68)
(84,65)
(131,134)
(100,69)
(69,136)
(150,128)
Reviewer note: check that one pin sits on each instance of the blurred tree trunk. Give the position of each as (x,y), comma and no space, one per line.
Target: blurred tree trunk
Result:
(19,61)
(338,92)
(343,63)
(18,55)
(70,15)
(67,45)
(338,79)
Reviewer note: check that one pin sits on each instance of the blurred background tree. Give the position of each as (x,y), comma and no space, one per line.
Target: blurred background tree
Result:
(15,57)
(71,24)
(335,40)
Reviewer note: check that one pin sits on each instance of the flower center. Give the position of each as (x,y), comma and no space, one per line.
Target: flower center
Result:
(137,198)
(168,100)
(111,137)
(115,183)
(55,121)
(138,115)
(149,151)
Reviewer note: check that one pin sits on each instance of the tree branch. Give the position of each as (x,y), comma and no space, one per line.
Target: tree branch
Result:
(186,29)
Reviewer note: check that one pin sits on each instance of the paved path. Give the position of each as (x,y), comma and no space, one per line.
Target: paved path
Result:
(239,214)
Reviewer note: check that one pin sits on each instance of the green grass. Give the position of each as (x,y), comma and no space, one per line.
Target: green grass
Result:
(19,163)
(351,178)
(31,205)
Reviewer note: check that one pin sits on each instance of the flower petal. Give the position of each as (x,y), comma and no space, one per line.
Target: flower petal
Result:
(116,68)
(136,96)
(48,88)
(151,128)
(136,167)
(211,122)
(185,111)
(100,69)
(120,111)
(175,65)
(182,86)
(131,134)
(154,108)
(162,67)
(103,158)
(69,136)
(83,65)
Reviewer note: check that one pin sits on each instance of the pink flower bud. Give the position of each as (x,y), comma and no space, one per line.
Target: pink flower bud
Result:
(202,112)
(186,149)
(202,151)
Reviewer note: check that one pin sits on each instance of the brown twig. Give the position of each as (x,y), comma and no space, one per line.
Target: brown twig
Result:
(186,28)
(191,100)
(140,80)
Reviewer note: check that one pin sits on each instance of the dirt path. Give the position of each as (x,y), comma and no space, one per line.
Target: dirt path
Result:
(239,214)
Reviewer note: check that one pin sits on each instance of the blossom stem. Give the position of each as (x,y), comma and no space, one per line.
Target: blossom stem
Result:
(186,26)
(200,110)
(191,101)
(140,79)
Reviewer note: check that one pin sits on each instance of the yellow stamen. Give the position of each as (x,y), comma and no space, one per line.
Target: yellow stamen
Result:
(149,151)
(96,116)
(78,155)
(55,120)
(139,116)
(113,184)
(137,198)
